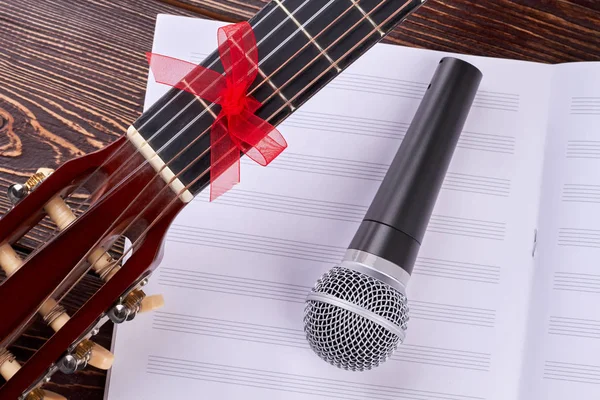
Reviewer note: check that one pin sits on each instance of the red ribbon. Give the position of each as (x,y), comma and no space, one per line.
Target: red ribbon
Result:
(236,128)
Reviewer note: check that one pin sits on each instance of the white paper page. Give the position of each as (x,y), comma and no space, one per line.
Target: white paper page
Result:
(236,271)
(564,349)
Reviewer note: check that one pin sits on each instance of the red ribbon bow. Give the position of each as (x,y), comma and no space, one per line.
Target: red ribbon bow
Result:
(236,128)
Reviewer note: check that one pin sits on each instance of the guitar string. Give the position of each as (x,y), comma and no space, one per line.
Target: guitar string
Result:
(164,147)
(123,147)
(135,219)
(167,208)
(176,198)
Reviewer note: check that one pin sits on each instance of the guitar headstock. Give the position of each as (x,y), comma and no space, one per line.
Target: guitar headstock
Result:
(93,203)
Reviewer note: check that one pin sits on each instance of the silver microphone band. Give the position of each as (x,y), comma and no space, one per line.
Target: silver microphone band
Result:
(376,267)
(363,312)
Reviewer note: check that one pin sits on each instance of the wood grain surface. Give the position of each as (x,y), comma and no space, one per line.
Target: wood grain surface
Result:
(73,75)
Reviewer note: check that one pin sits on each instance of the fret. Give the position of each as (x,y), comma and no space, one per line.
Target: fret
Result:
(347,40)
(368,17)
(320,38)
(276,89)
(308,35)
(268,81)
(323,25)
(406,7)
(338,27)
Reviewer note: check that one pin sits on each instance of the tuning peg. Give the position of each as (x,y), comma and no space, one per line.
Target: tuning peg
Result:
(100,357)
(137,300)
(9,367)
(55,315)
(8,364)
(17,191)
(102,263)
(9,259)
(86,352)
(151,303)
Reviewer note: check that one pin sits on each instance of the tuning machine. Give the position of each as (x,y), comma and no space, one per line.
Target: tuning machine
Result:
(102,263)
(134,302)
(83,352)
(16,192)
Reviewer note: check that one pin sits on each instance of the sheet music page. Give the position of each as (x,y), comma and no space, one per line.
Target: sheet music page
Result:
(564,345)
(236,271)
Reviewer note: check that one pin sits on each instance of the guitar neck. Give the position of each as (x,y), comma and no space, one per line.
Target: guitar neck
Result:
(302,45)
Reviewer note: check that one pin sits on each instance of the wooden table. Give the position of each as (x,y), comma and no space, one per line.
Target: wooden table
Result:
(73,74)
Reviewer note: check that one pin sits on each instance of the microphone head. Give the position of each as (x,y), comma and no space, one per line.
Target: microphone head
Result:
(353,320)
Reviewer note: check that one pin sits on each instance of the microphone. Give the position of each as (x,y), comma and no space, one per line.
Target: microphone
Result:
(357,313)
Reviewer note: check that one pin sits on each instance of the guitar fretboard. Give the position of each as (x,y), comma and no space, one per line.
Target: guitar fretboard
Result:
(302,45)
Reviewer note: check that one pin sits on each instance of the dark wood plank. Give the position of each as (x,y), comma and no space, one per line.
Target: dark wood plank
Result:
(73,75)
(72,78)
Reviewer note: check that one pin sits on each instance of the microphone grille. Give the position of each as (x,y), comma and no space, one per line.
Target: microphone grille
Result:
(356,336)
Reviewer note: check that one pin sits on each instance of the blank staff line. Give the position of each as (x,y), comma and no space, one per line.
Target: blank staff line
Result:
(573,365)
(227,290)
(580,237)
(298,256)
(224,284)
(587,186)
(582,275)
(577,327)
(559,377)
(472,310)
(249,245)
(464,353)
(592,103)
(575,285)
(287,380)
(261,237)
(578,234)
(467,140)
(587,284)
(226,329)
(416,90)
(581,230)
(348,120)
(317,381)
(200,282)
(250,239)
(354,213)
(215,279)
(583,149)
(582,373)
(579,243)
(576,282)
(303,206)
(582,320)
(459,313)
(455,270)
(322,253)
(582,193)
(240,279)
(228,333)
(272,242)
(324,205)
(376,172)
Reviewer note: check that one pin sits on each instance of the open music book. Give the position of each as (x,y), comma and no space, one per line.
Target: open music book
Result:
(503,296)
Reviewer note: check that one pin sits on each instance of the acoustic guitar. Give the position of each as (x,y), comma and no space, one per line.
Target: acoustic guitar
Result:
(138,184)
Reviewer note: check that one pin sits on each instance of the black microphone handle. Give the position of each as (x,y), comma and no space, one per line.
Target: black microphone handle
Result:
(395,223)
